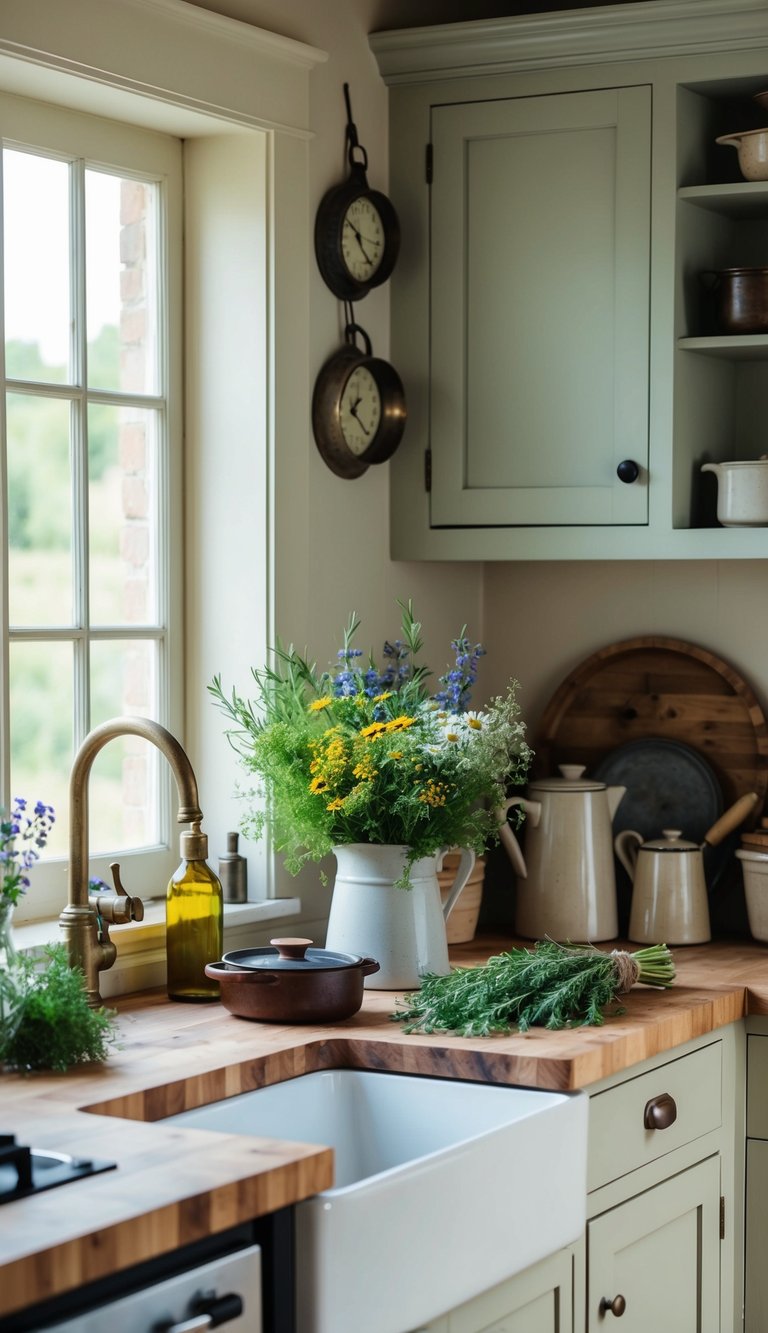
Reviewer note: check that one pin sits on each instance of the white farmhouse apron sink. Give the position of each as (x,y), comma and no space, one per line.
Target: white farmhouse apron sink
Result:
(442,1188)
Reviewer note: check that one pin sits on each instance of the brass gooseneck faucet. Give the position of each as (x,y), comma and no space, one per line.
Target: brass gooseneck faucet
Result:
(85,920)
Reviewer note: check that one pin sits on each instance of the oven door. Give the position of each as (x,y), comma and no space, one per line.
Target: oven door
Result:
(225,1293)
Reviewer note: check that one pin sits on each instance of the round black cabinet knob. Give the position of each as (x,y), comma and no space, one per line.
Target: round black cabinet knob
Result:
(616,1307)
(628,470)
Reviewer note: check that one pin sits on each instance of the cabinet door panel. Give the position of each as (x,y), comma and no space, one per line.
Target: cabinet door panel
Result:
(661,1252)
(539,309)
(539,1300)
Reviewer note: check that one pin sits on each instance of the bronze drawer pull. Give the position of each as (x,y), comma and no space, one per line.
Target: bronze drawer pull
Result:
(660,1112)
(616,1307)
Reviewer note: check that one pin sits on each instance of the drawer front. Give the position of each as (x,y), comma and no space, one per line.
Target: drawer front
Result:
(645,1117)
(757,1087)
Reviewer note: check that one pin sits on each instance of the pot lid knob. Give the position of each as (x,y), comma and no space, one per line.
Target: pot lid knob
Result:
(572,771)
(291,948)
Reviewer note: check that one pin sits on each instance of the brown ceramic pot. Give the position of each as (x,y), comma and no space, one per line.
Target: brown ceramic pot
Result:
(291,982)
(741,300)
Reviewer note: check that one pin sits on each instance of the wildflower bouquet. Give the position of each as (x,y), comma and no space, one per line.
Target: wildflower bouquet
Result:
(364,754)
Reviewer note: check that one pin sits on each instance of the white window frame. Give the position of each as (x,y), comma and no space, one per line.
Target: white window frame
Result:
(83,142)
(178,68)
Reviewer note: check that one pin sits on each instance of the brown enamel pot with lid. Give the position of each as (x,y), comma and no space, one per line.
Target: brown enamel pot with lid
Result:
(290,982)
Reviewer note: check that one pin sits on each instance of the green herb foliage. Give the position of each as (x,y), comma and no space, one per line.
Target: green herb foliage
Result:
(55,1028)
(551,986)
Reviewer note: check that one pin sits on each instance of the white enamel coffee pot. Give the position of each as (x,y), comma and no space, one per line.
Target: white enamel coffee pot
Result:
(566,886)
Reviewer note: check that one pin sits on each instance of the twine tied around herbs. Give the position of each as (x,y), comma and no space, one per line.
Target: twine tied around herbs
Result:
(627,968)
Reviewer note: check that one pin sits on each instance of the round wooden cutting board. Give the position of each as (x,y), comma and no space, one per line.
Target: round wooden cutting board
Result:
(655,686)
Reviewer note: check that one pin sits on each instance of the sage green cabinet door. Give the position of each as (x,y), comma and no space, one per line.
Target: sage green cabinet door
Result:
(756,1291)
(539,308)
(660,1252)
(539,1300)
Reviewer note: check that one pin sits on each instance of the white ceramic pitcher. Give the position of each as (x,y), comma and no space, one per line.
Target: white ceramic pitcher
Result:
(403,929)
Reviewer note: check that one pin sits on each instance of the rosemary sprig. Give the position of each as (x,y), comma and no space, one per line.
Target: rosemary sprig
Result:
(552,985)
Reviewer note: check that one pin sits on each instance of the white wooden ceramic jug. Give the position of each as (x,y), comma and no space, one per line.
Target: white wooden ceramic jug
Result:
(403,929)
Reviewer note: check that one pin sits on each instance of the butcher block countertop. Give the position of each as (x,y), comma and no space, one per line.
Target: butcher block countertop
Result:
(174,1186)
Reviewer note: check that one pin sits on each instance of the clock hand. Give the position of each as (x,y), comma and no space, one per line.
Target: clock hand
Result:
(359,240)
(353,413)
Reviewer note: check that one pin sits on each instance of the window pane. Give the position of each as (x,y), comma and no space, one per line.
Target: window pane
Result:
(122,501)
(41,691)
(39,511)
(36,264)
(125,776)
(121,282)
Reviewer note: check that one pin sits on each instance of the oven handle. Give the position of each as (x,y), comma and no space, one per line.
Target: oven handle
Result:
(208,1311)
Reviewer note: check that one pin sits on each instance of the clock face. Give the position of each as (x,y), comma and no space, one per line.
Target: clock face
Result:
(360,410)
(362,239)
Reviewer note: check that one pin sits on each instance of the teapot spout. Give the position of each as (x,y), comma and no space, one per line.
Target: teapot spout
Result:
(614,795)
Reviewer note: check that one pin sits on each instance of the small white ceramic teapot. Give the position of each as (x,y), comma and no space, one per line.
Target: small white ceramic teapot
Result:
(566,887)
(669,886)
(669,890)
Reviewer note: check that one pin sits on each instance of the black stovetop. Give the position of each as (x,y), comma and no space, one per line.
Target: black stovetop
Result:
(25,1171)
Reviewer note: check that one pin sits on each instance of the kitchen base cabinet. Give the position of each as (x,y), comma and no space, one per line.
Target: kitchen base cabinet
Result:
(655,1260)
(756,1269)
(539,1300)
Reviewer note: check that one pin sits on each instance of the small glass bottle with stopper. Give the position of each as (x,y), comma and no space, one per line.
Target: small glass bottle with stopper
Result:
(194,918)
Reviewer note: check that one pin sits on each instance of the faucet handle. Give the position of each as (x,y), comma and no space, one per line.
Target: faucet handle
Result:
(120,907)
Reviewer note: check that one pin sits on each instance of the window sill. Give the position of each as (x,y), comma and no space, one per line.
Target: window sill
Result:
(141,946)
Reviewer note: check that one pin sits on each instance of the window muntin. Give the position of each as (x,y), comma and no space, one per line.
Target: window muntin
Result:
(91,417)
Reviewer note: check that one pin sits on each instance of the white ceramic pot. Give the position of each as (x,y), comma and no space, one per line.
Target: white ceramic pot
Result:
(669,891)
(754,866)
(566,885)
(742,493)
(752,148)
(403,929)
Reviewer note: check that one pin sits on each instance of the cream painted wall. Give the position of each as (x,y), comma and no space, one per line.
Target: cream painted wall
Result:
(541,620)
(333,535)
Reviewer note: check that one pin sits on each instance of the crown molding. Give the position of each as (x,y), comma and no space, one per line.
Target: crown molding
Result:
(648,29)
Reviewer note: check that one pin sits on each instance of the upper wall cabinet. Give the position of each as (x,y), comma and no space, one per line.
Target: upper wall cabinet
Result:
(564,207)
(539,239)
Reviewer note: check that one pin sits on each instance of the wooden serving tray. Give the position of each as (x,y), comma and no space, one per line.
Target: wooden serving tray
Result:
(656,686)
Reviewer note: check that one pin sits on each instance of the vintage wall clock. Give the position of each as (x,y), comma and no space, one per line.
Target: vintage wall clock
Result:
(358,408)
(357,234)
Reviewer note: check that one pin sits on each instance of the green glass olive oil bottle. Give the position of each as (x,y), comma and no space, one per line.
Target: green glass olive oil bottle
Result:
(194,918)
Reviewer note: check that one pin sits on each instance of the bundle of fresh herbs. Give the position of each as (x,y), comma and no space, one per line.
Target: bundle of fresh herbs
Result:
(552,986)
(45,1019)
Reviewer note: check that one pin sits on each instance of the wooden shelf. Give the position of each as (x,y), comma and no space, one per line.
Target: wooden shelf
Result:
(733,347)
(744,199)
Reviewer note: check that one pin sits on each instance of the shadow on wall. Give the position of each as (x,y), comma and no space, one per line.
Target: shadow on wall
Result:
(388,14)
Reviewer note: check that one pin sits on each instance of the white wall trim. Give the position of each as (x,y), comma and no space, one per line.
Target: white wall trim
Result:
(574,37)
(171,52)
(285,49)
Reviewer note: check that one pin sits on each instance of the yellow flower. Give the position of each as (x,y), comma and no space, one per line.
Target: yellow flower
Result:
(451,736)
(379,698)
(400,723)
(318,704)
(318,784)
(336,804)
(365,770)
(395,754)
(435,793)
(375,730)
